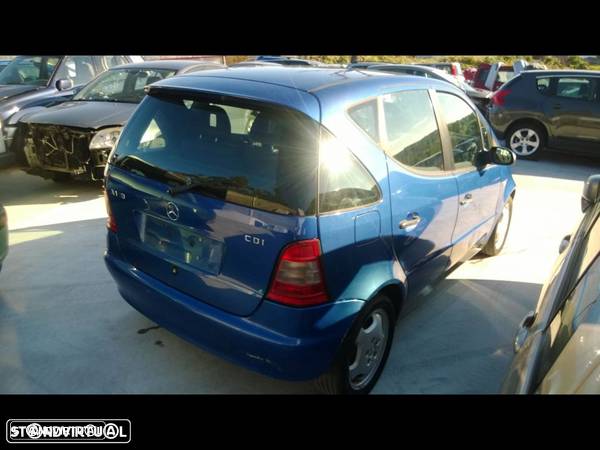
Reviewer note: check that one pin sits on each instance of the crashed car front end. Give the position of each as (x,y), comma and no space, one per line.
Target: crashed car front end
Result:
(54,149)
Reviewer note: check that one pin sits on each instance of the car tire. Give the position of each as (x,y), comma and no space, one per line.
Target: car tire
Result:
(61,177)
(497,239)
(520,138)
(378,315)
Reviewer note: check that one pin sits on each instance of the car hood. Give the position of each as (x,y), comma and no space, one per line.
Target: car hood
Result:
(8,90)
(83,114)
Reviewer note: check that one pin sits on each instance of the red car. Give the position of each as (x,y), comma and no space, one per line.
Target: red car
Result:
(469,74)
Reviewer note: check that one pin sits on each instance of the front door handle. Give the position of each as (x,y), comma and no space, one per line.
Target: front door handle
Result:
(410,222)
(557,106)
(466,200)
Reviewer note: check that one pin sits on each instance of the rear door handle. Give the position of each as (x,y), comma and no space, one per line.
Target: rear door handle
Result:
(466,200)
(557,106)
(412,221)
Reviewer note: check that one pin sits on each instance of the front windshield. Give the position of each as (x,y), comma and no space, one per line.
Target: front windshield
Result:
(29,70)
(122,85)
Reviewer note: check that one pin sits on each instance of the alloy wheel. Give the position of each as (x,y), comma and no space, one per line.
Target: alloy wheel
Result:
(370,346)
(525,142)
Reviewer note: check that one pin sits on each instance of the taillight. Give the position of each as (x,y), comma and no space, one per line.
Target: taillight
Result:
(453,70)
(499,97)
(298,279)
(111,224)
(3,218)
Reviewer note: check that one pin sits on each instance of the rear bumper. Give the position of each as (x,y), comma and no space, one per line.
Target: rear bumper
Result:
(278,341)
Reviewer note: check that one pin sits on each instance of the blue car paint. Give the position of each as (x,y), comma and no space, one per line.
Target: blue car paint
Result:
(363,249)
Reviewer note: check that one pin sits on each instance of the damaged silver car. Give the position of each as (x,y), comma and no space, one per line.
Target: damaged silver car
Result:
(74,139)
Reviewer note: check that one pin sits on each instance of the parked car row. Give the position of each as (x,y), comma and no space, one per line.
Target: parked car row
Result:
(479,96)
(41,81)
(74,138)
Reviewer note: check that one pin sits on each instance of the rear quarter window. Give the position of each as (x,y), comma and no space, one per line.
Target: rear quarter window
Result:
(543,85)
(344,183)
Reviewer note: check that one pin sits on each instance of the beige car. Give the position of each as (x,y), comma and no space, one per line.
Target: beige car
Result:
(558,345)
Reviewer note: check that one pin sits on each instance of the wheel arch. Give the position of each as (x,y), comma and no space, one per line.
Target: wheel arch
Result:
(395,290)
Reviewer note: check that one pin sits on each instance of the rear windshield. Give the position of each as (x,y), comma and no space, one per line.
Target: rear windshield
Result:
(250,154)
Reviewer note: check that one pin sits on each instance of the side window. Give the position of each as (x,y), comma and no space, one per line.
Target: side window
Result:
(146,77)
(343,182)
(585,292)
(464,128)
(78,69)
(365,116)
(543,85)
(575,88)
(413,138)
(106,62)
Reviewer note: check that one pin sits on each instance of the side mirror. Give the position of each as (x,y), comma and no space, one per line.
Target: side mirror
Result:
(64,84)
(496,155)
(523,330)
(591,192)
(564,243)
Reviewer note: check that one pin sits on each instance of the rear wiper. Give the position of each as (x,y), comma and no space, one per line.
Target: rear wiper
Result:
(214,186)
(189,186)
(135,164)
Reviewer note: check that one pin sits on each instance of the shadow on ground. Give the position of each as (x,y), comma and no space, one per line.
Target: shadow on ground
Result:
(18,188)
(65,329)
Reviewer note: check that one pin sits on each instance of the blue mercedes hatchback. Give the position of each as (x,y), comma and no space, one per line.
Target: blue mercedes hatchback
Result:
(281,217)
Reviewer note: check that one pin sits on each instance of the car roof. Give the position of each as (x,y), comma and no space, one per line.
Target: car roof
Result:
(307,89)
(309,79)
(561,72)
(173,64)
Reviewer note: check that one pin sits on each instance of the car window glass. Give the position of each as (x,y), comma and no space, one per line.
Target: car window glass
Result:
(106,62)
(464,128)
(78,69)
(585,291)
(122,85)
(543,85)
(591,248)
(29,70)
(343,182)
(589,286)
(256,155)
(365,116)
(413,138)
(482,75)
(575,88)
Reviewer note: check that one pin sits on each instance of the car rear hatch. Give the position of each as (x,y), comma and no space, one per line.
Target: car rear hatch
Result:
(206,191)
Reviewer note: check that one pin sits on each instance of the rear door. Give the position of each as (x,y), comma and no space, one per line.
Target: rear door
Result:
(573,110)
(478,188)
(423,193)
(206,192)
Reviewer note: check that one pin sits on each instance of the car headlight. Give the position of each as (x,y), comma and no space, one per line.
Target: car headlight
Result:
(105,139)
